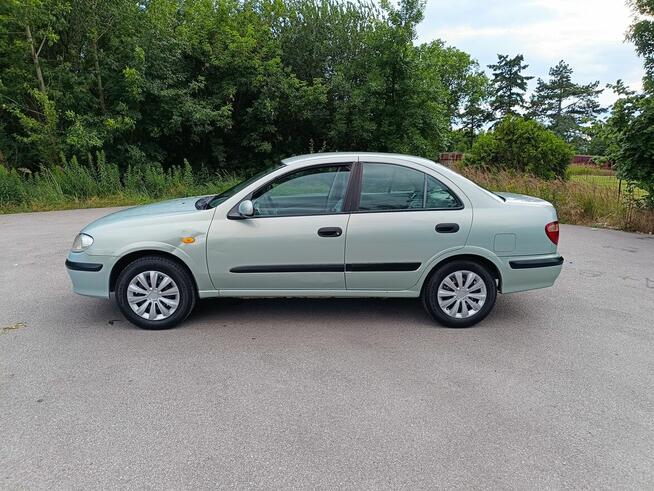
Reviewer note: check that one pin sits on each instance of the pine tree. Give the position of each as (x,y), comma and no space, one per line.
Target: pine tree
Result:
(564,106)
(509,85)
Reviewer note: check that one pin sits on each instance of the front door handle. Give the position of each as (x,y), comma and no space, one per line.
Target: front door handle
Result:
(330,232)
(447,228)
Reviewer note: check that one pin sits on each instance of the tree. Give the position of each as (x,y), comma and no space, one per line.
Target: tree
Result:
(457,89)
(521,145)
(509,85)
(630,126)
(223,84)
(629,131)
(641,33)
(475,111)
(564,106)
(635,151)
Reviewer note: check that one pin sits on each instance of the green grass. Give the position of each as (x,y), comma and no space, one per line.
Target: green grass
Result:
(100,184)
(587,170)
(607,181)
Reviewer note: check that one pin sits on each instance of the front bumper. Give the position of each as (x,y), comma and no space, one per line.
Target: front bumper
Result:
(90,274)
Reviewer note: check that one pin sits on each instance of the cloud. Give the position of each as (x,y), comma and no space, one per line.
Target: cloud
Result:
(588,34)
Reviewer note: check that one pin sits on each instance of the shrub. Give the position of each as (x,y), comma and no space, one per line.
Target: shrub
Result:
(523,146)
(12,189)
(108,176)
(75,180)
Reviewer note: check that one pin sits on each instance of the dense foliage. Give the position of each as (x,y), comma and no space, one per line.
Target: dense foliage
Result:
(224,84)
(521,145)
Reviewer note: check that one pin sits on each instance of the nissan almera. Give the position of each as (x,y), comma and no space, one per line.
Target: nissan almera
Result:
(324,225)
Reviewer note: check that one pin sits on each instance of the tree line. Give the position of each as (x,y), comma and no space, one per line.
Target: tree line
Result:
(230,84)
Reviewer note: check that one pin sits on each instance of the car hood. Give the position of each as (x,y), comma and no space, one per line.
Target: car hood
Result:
(156,210)
(522,199)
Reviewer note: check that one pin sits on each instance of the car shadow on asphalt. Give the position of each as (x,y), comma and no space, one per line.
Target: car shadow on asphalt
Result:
(510,310)
(311,310)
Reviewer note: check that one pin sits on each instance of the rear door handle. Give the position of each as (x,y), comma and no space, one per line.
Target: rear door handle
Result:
(447,228)
(330,232)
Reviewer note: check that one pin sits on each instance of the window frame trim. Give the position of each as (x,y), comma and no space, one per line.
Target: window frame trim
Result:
(359,177)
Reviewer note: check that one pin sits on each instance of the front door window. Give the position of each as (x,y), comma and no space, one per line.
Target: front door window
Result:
(313,191)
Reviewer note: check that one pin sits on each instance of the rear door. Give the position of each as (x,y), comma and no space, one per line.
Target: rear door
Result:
(403,219)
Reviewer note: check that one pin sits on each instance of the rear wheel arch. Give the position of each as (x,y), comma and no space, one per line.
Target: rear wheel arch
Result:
(127,259)
(481,260)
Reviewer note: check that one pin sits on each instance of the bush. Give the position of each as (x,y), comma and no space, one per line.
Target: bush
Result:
(523,146)
(12,189)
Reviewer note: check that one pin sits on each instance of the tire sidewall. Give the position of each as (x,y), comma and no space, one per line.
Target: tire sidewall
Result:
(171,268)
(430,300)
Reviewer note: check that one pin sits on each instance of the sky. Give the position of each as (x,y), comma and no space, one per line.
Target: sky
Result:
(588,34)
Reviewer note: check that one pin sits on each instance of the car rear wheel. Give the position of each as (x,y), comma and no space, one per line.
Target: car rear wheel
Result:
(155,293)
(460,294)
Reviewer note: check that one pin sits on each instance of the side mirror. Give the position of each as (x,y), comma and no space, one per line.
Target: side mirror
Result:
(246,208)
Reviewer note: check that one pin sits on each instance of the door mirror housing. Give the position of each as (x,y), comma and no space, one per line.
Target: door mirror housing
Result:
(246,208)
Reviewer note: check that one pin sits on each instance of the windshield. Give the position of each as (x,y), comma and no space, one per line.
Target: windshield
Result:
(228,193)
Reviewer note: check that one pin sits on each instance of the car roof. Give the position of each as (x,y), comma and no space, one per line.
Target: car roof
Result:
(353,156)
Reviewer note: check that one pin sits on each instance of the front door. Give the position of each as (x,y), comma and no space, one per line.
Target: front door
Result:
(294,241)
(404,218)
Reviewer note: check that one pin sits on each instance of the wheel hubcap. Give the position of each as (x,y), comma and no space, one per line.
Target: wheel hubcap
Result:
(462,294)
(153,295)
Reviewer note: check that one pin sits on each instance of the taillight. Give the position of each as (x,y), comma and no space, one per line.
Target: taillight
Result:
(552,231)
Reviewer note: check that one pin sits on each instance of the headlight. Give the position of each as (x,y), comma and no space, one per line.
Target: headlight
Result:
(82,242)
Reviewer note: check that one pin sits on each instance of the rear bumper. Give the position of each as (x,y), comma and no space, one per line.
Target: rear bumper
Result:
(522,273)
(536,263)
(90,274)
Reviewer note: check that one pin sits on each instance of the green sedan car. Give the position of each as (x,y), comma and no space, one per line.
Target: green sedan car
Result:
(324,225)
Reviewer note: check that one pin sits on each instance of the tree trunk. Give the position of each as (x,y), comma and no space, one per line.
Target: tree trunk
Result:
(35,58)
(98,75)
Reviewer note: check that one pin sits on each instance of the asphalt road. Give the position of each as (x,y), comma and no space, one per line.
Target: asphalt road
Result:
(554,389)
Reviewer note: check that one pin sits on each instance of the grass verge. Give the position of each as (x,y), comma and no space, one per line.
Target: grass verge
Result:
(582,199)
(577,201)
(99,184)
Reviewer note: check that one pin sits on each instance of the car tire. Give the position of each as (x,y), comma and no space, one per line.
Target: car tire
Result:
(161,286)
(442,305)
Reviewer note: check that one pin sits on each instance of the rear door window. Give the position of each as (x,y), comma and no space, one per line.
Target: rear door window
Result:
(388,187)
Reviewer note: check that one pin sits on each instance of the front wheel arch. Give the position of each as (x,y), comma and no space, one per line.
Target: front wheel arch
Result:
(482,261)
(132,256)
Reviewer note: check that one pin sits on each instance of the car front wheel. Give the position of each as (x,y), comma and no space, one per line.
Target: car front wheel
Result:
(155,292)
(460,294)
